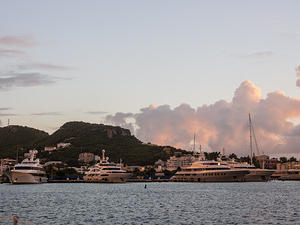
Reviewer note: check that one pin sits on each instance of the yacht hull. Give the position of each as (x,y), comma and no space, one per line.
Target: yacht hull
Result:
(211,176)
(259,175)
(27,178)
(292,174)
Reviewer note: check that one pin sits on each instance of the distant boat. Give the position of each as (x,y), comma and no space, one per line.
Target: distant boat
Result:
(106,172)
(29,171)
(209,171)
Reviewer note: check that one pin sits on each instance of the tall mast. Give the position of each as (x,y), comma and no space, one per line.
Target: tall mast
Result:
(250,132)
(194,142)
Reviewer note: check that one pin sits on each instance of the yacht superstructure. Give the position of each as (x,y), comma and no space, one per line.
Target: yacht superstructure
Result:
(29,171)
(106,172)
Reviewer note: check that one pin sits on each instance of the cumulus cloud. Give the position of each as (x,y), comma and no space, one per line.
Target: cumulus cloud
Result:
(121,119)
(222,124)
(15,79)
(22,41)
(47,114)
(298,76)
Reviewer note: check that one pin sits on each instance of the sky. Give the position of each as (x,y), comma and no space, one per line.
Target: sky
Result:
(128,62)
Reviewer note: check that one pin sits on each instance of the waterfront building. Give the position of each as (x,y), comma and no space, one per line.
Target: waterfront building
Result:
(86,157)
(63,145)
(49,148)
(288,166)
(265,161)
(183,161)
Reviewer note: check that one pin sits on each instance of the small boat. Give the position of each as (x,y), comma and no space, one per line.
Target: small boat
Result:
(29,171)
(209,171)
(106,172)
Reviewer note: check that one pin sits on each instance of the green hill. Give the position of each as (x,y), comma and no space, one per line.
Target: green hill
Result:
(18,137)
(86,137)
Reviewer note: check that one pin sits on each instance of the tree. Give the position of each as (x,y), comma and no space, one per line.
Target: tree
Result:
(212,155)
(233,156)
(245,159)
(292,159)
(283,159)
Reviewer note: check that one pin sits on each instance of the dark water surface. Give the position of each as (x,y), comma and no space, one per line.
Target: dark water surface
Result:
(274,202)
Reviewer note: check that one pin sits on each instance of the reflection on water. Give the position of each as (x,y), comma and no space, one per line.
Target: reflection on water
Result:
(160,203)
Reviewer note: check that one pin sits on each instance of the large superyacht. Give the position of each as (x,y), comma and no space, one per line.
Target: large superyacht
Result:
(209,171)
(29,171)
(106,172)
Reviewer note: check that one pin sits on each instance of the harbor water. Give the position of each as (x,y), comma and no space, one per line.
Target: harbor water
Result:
(275,202)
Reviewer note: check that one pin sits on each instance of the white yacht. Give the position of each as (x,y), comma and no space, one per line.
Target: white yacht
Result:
(106,172)
(29,171)
(254,175)
(209,171)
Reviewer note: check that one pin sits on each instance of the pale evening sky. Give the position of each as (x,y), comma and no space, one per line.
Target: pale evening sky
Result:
(83,60)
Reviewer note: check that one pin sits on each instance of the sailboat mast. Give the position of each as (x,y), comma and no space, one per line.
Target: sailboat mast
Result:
(250,132)
(194,142)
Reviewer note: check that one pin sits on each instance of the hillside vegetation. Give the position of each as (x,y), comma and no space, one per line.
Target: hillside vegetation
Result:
(86,137)
(13,138)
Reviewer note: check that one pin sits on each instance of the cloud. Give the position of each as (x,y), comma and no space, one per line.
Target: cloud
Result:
(262,54)
(11,53)
(47,114)
(6,114)
(22,41)
(43,66)
(121,119)
(298,76)
(222,124)
(288,33)
(5,108)
(10,80)
(97,112)
(256,55)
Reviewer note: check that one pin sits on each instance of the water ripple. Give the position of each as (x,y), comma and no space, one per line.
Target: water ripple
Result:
(160,203)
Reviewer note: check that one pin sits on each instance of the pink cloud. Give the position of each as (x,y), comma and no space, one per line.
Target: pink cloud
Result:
(222,124)
(23,41)
(44,66)
(298,76)
(11,52)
